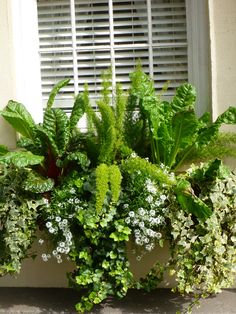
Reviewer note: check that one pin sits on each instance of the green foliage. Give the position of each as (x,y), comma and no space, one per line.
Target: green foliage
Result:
(49,148)
(171,129)
(88,211)
(18,215)
(108,178)
(19,118)
(115,179)
(203,251)
(102,179)
(104,141)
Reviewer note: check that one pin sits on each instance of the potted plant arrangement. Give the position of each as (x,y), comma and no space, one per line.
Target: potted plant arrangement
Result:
(122,180)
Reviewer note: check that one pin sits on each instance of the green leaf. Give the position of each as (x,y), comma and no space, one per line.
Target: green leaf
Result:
(55,91)
(184,127)
(3,150)
(21,159)
(185,96)
(81,103)
(189,202)
(37,184)
(47,140)
(19,118)
(80,158)
(227,117)
(56,125)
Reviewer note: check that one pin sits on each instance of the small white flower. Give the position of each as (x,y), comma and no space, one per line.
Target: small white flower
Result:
(54,252)
(72,190)
(152,212)
(45,200)
(48,224)
(41,241)
(158,235)
(62,244)
(141,224)
(64,221)
(138,258)
(127,220)
(141,211)
(58,219)
(125,206)
(131,214)
(133,155)
(163,197)
(44,257)
(149,199)
(59,261)
(51,230)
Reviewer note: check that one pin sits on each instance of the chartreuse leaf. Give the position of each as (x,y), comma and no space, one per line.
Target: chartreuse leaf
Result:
(37,184)
(19,118)
(21,159)
(55,91)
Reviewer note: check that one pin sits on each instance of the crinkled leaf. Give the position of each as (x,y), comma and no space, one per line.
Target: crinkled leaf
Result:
(47,140)
(77,157)
(55,91)
(227,117)
(19,118)
(21,159)
(56,125)
(81,103)
(185,96)
(37,184)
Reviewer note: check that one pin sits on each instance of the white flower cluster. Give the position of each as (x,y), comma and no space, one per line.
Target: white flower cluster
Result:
(148,222)
(59,227)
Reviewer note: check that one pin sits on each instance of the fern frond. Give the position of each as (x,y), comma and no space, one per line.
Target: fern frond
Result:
(115,182)
(108,135)
(102,179)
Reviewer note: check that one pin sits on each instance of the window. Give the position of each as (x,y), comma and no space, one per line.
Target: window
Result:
(80,38)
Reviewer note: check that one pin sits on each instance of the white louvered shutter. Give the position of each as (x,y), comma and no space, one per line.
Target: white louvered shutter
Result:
(80,42)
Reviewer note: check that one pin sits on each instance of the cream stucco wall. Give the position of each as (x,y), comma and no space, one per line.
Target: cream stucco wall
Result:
(223,54)
(7,79)
(222,25)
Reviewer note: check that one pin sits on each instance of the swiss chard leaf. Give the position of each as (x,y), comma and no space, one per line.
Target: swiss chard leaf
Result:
(19,118)
(56,125)
(55,91)
(80,105)
(21,159)
(37,184)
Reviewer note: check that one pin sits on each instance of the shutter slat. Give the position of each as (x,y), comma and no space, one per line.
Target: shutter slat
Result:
(169,43)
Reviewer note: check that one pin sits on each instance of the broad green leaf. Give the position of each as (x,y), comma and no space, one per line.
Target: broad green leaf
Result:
(184,127)
(189,202)
(81,103)
(55,91)
(80,158)
(227,117)
(47,141)
(21,159)
(185,96)
(3,150)
(19,118)
(37,184)
(56,125)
